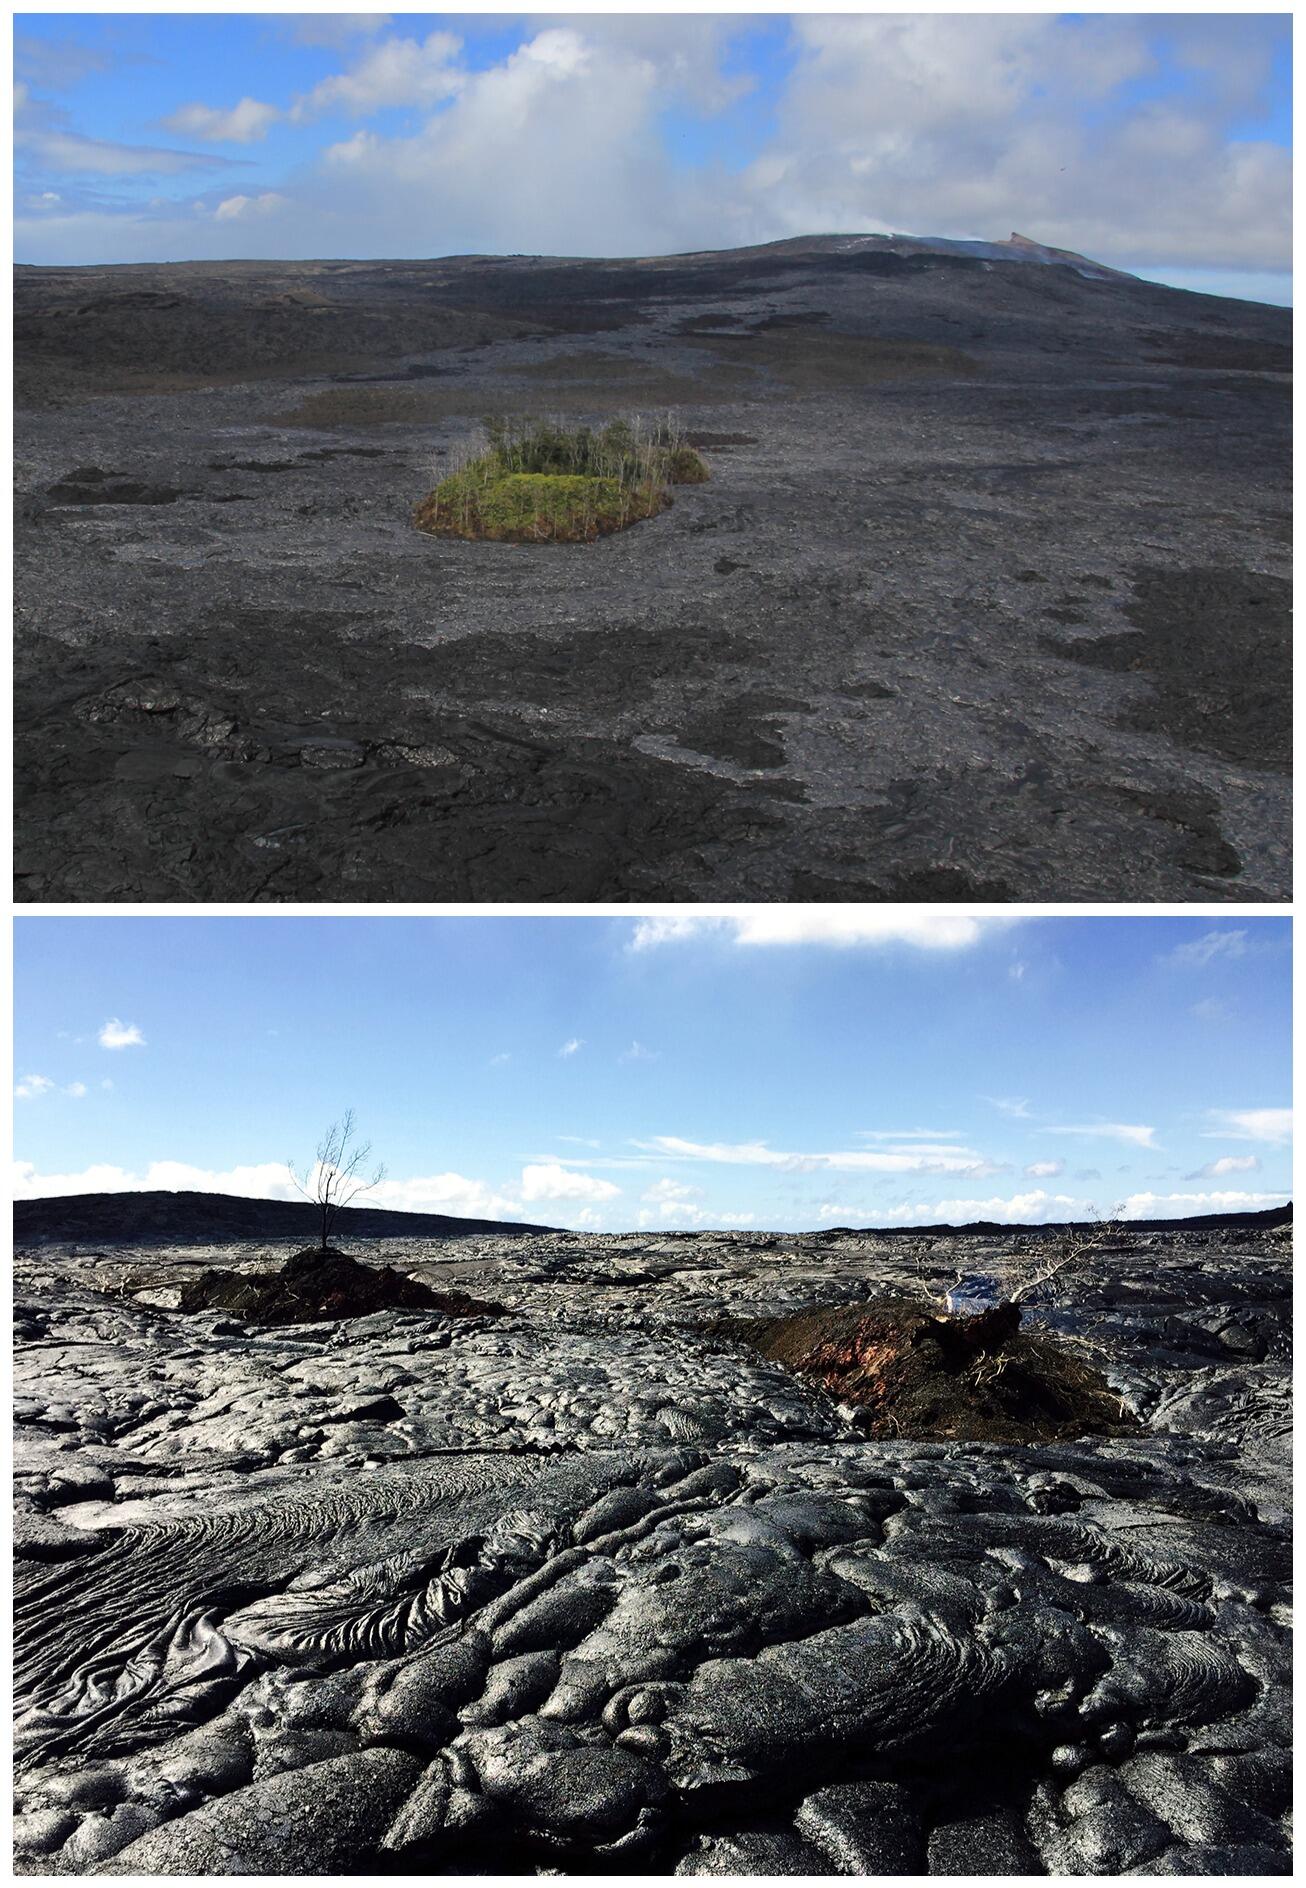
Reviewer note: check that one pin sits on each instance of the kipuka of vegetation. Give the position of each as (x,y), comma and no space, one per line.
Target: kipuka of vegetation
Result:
(535,482)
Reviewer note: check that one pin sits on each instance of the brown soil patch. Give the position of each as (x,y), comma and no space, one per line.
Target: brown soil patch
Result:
(316,1285)
(920,1375)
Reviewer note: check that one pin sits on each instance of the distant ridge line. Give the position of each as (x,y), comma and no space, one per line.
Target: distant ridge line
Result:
(1266,1217)
(212,1218)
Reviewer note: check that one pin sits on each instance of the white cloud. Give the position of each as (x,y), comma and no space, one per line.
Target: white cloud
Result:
(119,1035)
(501,1060)
(1226,1164)
(1045,1169)
(913,1159)
(34,1087)
(107,1083)
(1020,1208)
(1038,1207)
(782,925)
(572,1046)
(1014,1105)
(43,137)
(242,124)
(1133,1135)
(267,1181)
(669,1203)
(395,72)
(266,204)
(899,1135)
(1272,1125)
(663,1192)
(982,123)
(638,1053)
(451,1193)
(954,125)
(552,1181)
(1211,947)
(1185,1205)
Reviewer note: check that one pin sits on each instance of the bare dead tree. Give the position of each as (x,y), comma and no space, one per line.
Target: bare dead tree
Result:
(1072,1250)
(337,1175)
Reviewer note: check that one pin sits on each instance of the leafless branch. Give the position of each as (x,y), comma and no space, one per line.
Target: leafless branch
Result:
(337,1175)
(1072,1250)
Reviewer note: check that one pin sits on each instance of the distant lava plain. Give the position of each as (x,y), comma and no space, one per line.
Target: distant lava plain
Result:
(985,598)
(574,1569)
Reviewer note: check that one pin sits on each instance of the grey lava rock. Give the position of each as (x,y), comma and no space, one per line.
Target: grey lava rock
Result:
(986,597)
(316,1821)
(522,1625)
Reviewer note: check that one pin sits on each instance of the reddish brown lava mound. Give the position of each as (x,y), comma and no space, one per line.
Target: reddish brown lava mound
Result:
(320,1283)
(921,1374)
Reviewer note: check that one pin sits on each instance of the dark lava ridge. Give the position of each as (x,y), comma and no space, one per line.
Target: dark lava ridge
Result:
(322,1283)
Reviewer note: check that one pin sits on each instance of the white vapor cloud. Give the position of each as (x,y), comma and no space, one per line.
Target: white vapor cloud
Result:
(44,138)
(1045,1169)
(1272,1125)
(453,1193)
(266,1181)
(670,1203)
(32,1087)
(966,125)
(394,72)
(119,1035)
(790,925)
(1133,1135)
(552,1181)
(1226,1164)
(1185,1205)
(1018,1209)
(1211,947)
(244,123)
(572,1046)
(266,204)
(912,1159)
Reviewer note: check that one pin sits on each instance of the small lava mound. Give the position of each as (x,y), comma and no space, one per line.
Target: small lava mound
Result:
(92,485)
(920,1375)
(319,1284)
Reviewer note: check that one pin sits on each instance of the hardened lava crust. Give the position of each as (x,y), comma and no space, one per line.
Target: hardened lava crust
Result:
(593,1585)
(985,596)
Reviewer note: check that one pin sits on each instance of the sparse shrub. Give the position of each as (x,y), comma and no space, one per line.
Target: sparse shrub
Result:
(535,481)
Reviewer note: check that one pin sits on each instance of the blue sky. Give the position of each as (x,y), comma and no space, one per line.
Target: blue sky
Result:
(1155,143)
(779,1070)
